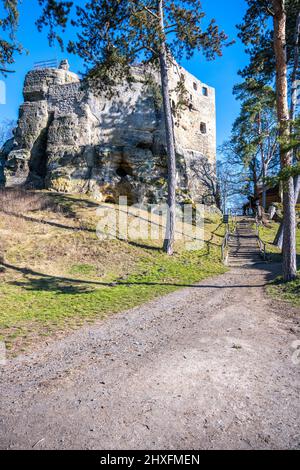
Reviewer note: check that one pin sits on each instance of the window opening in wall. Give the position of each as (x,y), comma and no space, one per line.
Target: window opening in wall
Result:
(204,91)
(203,128)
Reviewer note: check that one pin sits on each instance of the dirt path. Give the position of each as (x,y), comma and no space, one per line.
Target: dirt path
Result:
(206,367)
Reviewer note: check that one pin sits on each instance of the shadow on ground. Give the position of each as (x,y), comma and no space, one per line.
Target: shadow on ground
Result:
(38,281)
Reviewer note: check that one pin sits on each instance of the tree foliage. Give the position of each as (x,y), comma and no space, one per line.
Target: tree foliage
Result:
(257,33)
(253,145)
(118,31)
(53,14)
(270,32)
(114,35)
(9,46)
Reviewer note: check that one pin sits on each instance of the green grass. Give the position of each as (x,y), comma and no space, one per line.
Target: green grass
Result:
(45,304)
(56,279)
(85,269)
(289,292)
(268,233)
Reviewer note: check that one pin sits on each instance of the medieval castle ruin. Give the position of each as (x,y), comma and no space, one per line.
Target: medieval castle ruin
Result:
(69,139)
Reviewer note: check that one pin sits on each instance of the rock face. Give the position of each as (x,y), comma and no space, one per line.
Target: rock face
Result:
(69,139)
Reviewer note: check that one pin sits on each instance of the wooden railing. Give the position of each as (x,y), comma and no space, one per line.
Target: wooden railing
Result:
(46,64)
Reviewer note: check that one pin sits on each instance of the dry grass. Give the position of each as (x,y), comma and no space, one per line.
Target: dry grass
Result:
(14,205)
(20,200)
(56,274)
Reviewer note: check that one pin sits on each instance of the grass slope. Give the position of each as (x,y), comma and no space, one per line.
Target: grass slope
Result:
(289,292)
(55,274)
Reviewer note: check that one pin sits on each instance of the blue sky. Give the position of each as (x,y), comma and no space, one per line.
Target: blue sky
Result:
(221,73)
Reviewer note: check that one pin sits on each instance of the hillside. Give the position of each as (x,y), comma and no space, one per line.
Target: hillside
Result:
(287,292)
(56,274)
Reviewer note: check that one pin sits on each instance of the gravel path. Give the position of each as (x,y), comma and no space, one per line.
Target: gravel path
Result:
(207,367)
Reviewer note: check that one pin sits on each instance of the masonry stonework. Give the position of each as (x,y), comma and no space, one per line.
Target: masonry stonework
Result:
(69,139)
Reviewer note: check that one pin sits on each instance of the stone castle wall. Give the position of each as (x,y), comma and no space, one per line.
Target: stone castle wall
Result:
(70,139)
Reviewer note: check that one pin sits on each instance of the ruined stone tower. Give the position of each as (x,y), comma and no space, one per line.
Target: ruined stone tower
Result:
(70,139)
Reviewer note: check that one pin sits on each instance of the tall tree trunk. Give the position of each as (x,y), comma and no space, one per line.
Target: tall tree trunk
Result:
(289,214)
(295,72)
(263,163)
(218,198)
(224,204)
(279,236)
(255,186)
(297,188)
(171,153)
(278,241)
(264,188)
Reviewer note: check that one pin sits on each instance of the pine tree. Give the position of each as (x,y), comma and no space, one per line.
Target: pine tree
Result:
(271,51)
(289,214)
(294,80)
(255,133)
(54,14)
(253,146)
(116,34)
(8,43)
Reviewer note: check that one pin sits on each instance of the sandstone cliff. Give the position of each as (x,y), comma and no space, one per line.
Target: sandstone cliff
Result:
(69,139)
